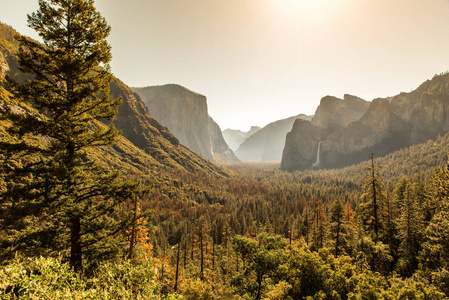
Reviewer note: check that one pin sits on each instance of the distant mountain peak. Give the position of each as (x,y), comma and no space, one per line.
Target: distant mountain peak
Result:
(334,113)
(234,137)
(268,143)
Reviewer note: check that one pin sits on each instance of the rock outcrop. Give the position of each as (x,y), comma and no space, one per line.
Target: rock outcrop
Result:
(184,113)
(4,66)
(268,143)
(234,138)
(388,125)
(334,113)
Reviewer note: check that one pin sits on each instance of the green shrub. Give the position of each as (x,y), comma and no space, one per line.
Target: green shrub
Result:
(49,278)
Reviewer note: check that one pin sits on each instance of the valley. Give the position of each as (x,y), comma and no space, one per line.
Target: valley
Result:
(116,192)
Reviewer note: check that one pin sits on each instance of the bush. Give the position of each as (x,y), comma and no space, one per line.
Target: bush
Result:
(50,278)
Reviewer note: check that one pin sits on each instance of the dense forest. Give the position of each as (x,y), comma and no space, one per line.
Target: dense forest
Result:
(73,227)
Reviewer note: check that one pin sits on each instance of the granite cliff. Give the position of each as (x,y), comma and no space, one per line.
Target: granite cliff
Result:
(388,125)
(184,113)
(311,136)
(334,113)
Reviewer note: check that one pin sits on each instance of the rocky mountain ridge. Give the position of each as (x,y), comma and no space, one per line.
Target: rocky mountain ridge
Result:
(388,125)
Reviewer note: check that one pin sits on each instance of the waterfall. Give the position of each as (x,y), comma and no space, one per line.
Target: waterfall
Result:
(317,156)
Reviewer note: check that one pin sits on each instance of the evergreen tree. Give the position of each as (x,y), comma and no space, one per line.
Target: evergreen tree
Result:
(435,253)
(373,201)
(337,228)
(319,226)
(351,229)
(57,197)
(409,228)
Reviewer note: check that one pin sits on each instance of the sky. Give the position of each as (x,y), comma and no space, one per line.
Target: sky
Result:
(258,61)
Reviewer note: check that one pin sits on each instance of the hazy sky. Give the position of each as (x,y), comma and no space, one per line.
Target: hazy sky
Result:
(258,61)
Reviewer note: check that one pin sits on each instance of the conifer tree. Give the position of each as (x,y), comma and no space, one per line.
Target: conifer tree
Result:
(351,228)
(319,225)
(57,197)
(434,257)
(373,201)
(409,228)
(337,228)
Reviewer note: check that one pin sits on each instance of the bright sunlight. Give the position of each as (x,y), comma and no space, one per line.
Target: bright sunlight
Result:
(304,5)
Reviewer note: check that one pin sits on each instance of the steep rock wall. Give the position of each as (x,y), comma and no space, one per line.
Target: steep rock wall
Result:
(184,113)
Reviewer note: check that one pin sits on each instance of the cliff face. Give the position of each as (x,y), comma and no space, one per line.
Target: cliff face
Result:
(302,153)
(388,125)
(379,131)
(184,113)
(234,138)
(148,134)
(222,153)
(268,143)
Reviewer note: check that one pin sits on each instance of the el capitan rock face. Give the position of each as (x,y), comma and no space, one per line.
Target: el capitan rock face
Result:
(184,113)
(388,125)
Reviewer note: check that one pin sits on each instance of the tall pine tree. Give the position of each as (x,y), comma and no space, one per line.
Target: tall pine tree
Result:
(373,200)
(337,228)
(409,226)
(57,198)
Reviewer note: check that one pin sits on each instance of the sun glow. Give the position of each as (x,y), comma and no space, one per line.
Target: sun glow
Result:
(311,10)
(304,5)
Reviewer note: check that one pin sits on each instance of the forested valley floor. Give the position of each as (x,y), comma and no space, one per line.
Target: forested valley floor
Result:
(352,233)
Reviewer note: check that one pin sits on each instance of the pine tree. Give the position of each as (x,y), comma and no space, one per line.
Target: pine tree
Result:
(434,257)
(337,228)
(351,229)
(57,196)
(409,228)
(319,225)
(373,201)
